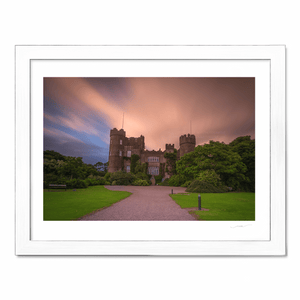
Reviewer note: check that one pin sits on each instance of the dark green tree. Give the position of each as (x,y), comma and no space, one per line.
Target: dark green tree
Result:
(134,159)
(51,154)
(245,147)
(99,166)
(105,167)
(213,156)
(171,162)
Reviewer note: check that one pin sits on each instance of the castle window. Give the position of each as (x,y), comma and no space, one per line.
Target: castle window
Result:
(120,153)
(153,159)
(128,169)
(128,153)
(153,170)
(121,142)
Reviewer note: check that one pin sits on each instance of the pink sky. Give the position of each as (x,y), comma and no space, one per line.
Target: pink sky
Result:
(161,109)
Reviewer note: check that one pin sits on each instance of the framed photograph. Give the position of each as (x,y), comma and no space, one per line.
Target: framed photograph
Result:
(109,103)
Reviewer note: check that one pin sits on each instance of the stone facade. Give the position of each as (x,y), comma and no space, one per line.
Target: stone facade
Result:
(121,148)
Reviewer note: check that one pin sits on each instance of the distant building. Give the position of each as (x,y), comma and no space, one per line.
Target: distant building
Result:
(122,148)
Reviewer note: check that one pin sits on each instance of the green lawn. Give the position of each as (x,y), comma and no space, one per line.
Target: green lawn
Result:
(222,207)
(60,205)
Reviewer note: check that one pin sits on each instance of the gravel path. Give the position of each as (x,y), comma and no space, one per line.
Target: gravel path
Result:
(147,203)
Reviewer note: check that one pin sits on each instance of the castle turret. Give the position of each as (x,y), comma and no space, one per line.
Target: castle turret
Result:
(116,149)
(169,147)
(187,144)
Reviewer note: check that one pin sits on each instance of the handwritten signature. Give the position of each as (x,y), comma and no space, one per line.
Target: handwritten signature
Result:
(240,226)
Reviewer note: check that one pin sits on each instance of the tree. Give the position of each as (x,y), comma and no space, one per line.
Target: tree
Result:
(105,167)
(141,167)
(245,147)
(74,168)
(171,162)
(99,166)
(134,159)
(213,156)
(210,176)
(51,154)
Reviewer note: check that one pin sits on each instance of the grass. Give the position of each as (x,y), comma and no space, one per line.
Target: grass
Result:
(222,207)
(60,205)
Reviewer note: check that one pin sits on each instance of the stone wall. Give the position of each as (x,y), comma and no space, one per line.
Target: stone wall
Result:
(122,146)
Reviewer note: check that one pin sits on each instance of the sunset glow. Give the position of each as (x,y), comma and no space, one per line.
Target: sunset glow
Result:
(79,112)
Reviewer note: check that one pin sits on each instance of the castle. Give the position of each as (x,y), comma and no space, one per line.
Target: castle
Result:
(121,148)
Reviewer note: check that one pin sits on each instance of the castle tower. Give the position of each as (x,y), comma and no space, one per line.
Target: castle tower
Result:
(116,149)
(170,148)
(187,144)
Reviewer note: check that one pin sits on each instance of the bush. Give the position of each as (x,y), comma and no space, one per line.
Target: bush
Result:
(88,181)
(141,182)
(107,177)
(158,178)
(93,182)
(176,180)
(141,167)
(96,180)
(122,178)
(53,179)
(76,183)
(133,163)
(142,176)
(187,183)
(198,186)
(210,176)
(165,182)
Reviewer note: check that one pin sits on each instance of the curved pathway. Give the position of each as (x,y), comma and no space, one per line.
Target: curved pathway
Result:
(147,203)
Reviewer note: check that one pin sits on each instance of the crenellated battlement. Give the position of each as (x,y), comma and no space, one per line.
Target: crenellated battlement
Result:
(190,139)
(124,147)
(169,146)
(136,142)
(115,131)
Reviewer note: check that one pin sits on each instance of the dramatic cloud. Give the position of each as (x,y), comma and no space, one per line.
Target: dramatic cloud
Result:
(71,146)
(161,109)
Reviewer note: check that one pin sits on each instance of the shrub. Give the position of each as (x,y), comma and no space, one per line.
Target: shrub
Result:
(158,178)
(210,176)
(141,182)
(122,178)
(76,183)
(142,176)
(141,167)
(81,184)
(176,180)
(187,183)
(107,177)
(133,163)
(165,182)
(93,182)
(51,178)
(198,186)
(88,181)
(96,180)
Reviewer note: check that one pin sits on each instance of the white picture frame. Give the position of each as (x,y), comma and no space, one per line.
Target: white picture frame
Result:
(275,244)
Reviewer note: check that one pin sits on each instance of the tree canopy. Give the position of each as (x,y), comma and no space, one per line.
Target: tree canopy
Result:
(245,147)
(59,168)
(231,162)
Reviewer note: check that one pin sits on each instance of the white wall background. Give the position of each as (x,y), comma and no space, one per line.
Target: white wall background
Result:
(152,22)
